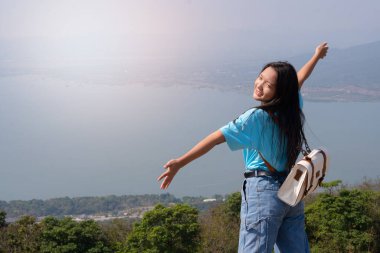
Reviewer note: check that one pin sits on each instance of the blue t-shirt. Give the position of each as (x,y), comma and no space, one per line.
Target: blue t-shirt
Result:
(255,131)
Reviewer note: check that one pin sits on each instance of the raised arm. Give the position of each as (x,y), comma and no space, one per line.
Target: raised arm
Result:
(305,71)
(174,165)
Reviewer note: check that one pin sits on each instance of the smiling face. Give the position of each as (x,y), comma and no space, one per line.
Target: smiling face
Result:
(265,85)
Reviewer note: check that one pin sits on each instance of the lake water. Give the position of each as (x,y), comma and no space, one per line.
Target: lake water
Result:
(64,138)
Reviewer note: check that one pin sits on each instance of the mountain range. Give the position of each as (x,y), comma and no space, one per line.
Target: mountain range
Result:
(349,74)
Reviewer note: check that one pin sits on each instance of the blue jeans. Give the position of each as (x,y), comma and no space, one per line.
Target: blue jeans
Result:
(266,220)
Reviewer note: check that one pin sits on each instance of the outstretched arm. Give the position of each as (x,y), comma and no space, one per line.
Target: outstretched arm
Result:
(174,165)
(305,71)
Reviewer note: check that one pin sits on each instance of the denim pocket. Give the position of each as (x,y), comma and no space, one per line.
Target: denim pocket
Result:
(256,229)
(262,200)
(253,207)
(261,215)
(267,184)
(257,224)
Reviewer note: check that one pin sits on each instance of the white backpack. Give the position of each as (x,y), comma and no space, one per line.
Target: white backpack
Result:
(305,176)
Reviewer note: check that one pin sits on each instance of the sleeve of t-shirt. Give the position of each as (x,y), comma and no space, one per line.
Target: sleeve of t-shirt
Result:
(242,132)
(248,129)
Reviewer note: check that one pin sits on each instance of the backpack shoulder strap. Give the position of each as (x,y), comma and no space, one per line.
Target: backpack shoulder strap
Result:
(270,167)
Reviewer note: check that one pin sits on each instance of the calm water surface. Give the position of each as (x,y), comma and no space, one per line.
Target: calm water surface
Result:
(64,138)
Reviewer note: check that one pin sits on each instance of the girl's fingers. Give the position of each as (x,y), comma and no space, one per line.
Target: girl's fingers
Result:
(167,179)
(163,175)
(168,175)
(322,50)
(165,184)
(323,45)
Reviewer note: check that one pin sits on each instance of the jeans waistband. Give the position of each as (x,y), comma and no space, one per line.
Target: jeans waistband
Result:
(257,173)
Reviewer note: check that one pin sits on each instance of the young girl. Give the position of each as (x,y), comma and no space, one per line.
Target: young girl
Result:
(270,136)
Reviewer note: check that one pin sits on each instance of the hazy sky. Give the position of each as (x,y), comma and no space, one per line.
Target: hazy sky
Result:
(169,27)
(64,114)
(53,18)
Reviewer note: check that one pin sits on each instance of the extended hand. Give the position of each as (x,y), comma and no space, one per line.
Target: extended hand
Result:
(172,167)
(321,50)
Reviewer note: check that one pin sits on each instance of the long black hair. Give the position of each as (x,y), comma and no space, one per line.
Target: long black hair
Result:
(285,109)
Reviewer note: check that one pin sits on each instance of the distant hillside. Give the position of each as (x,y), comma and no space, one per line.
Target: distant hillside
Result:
(349,74)
(355,66)
(83,205)
(109,205)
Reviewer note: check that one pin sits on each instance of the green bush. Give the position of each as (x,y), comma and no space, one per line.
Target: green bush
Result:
(220,226)
(165,230)
(344,222)
(67,235)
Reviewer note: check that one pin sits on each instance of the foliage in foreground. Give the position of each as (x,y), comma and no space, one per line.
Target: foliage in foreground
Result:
(346,221)
(339,220)
(165,229)
(53,236)
(21,236)
(220,226)
(67,235)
